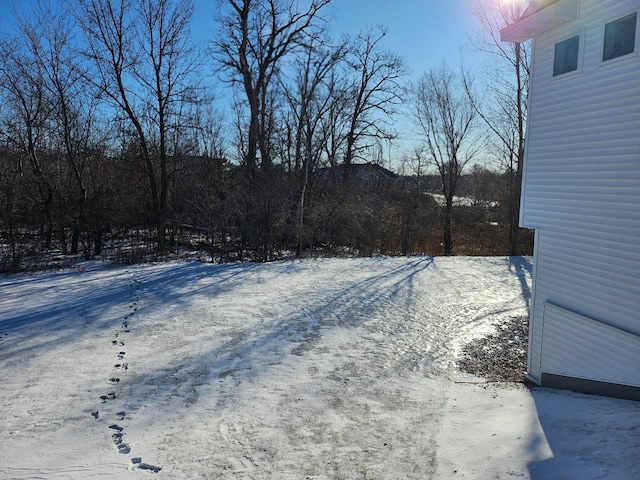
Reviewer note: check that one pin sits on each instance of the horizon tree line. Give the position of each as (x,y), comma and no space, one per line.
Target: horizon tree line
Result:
(107,127)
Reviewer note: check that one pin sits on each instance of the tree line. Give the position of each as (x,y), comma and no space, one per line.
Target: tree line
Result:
(111,134)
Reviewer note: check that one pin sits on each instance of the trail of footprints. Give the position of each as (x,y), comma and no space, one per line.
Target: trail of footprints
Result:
(116,431)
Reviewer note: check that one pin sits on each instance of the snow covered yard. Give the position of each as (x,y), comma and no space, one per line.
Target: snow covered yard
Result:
(318,369)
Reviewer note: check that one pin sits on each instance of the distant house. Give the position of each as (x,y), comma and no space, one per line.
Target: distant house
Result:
(366,172)
(581,193)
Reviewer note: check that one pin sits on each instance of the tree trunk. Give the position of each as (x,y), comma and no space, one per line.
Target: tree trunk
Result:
(447,237)
(301,216)
(98,240)
(514,220)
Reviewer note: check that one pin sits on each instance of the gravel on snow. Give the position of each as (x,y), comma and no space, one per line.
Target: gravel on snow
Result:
(500,356)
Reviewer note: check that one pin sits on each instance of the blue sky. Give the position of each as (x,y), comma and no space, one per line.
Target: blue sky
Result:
(424,32)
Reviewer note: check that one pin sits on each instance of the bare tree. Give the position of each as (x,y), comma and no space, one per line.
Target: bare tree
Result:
(27,107)
(142,62)
(309,100)
(335,121)
(255,38)
(446,118)
(505,110)
(374,93)
(213,188)
(48,34)
(12,200)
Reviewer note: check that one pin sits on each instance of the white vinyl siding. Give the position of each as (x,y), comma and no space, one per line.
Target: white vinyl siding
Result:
(581,187)
(580,347)
(593,273)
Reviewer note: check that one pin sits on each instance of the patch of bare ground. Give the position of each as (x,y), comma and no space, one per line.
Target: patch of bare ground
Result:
(501,356)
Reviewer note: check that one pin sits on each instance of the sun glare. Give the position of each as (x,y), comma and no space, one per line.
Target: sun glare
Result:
(513,5)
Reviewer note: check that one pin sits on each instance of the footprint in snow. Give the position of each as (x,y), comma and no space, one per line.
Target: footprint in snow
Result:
(121,355)
(122,447)
(108,396)
(95,414)
(113,381)
(120,415)
(137,464)
(121,366)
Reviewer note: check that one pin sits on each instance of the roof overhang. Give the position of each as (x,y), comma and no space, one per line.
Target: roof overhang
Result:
(539,18)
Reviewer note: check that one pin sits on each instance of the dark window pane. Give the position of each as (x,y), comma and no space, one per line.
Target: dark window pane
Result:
(619,37)
(566,56)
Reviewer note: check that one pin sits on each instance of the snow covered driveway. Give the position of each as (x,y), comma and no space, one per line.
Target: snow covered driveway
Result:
(319,369)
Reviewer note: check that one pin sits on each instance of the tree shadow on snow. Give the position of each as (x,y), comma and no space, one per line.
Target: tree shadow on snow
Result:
(61,309)
(259,349)
(523,268)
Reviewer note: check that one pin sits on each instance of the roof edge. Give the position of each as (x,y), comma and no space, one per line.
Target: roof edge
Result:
(540,17)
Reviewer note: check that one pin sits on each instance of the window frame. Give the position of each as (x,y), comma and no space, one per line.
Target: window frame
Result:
(568,35)
(579,55)
(636,41)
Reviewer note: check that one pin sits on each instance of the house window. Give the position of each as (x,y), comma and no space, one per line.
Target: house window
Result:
(619,37)
(566,56)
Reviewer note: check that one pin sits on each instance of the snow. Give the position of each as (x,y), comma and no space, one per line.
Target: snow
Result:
(462,201)
(316,369)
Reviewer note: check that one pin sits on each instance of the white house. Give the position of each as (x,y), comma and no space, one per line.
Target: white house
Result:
(581,193)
